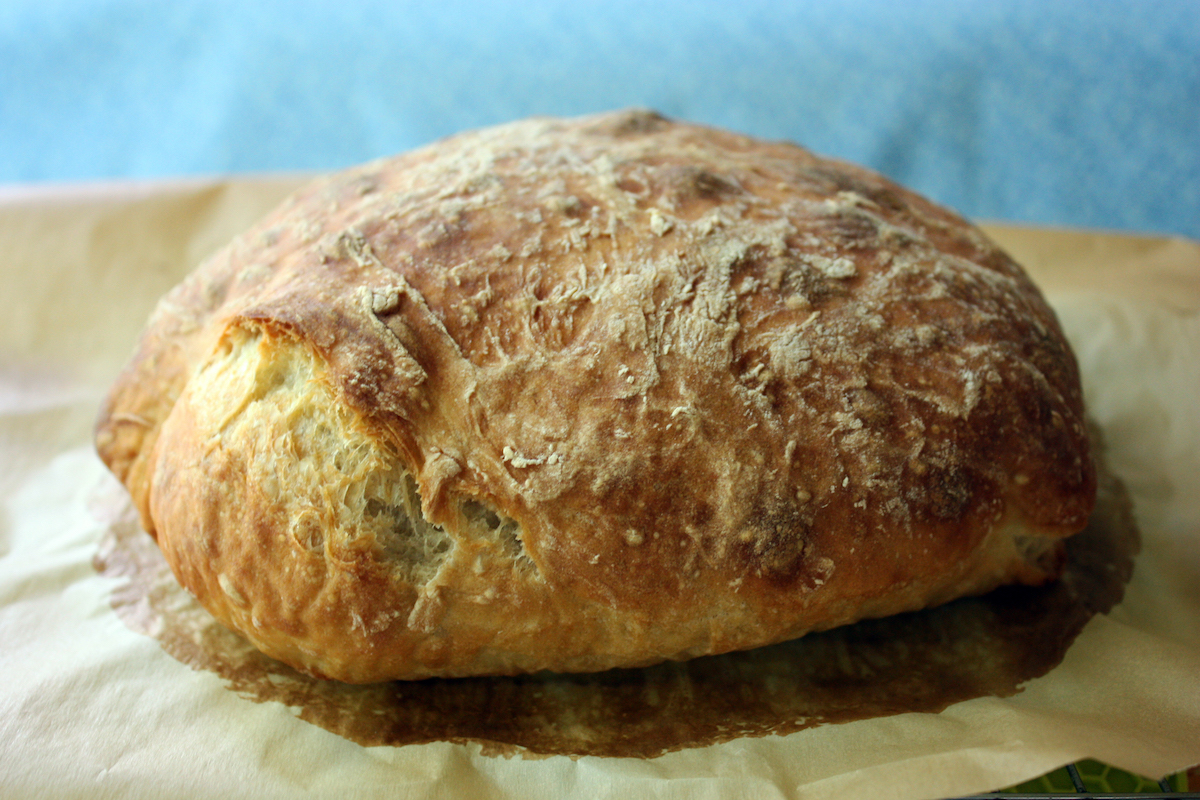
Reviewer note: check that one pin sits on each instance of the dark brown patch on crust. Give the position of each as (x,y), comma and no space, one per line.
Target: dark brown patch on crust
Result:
(840,179)
(690,183)
(774,545)
(949,491)
(633,122)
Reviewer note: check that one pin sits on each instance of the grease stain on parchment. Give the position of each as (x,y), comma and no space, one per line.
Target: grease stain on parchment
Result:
(920,662)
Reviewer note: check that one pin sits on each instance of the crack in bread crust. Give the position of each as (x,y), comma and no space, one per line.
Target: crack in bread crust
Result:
(699,392)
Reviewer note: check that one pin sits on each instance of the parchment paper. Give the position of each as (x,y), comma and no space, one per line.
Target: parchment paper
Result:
(90,708)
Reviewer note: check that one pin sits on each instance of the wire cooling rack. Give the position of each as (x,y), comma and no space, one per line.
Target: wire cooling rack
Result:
(1094,781)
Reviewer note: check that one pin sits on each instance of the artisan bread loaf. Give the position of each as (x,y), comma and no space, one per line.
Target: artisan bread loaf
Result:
(582,394)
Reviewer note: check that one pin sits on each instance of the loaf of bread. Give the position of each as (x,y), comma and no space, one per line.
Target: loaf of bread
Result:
(582,394)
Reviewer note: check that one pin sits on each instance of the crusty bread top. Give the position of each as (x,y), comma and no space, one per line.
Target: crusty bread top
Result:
(722,386)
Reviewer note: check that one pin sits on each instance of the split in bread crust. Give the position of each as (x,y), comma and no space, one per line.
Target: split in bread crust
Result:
(579,394)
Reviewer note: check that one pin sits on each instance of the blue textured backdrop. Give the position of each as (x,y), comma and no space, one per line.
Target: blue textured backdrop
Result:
(1071,113)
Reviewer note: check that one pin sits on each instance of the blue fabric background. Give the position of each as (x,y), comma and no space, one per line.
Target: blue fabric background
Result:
(1068,113)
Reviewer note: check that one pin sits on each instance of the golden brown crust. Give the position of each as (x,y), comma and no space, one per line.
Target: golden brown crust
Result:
(657,390)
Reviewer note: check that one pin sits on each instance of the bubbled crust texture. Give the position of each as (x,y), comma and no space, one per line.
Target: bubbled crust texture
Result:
(728,391)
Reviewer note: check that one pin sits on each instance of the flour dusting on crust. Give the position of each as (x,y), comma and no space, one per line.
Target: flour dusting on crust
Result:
(714,391)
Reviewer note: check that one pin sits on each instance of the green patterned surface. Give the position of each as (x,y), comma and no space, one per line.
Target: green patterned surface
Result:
(1099,778)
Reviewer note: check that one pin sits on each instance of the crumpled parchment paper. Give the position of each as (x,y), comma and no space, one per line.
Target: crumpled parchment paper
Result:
(91,708)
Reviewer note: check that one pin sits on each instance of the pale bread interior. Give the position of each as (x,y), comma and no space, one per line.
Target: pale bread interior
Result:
(319,461)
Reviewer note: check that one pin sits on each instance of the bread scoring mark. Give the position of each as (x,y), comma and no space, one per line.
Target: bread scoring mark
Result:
(376,304)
